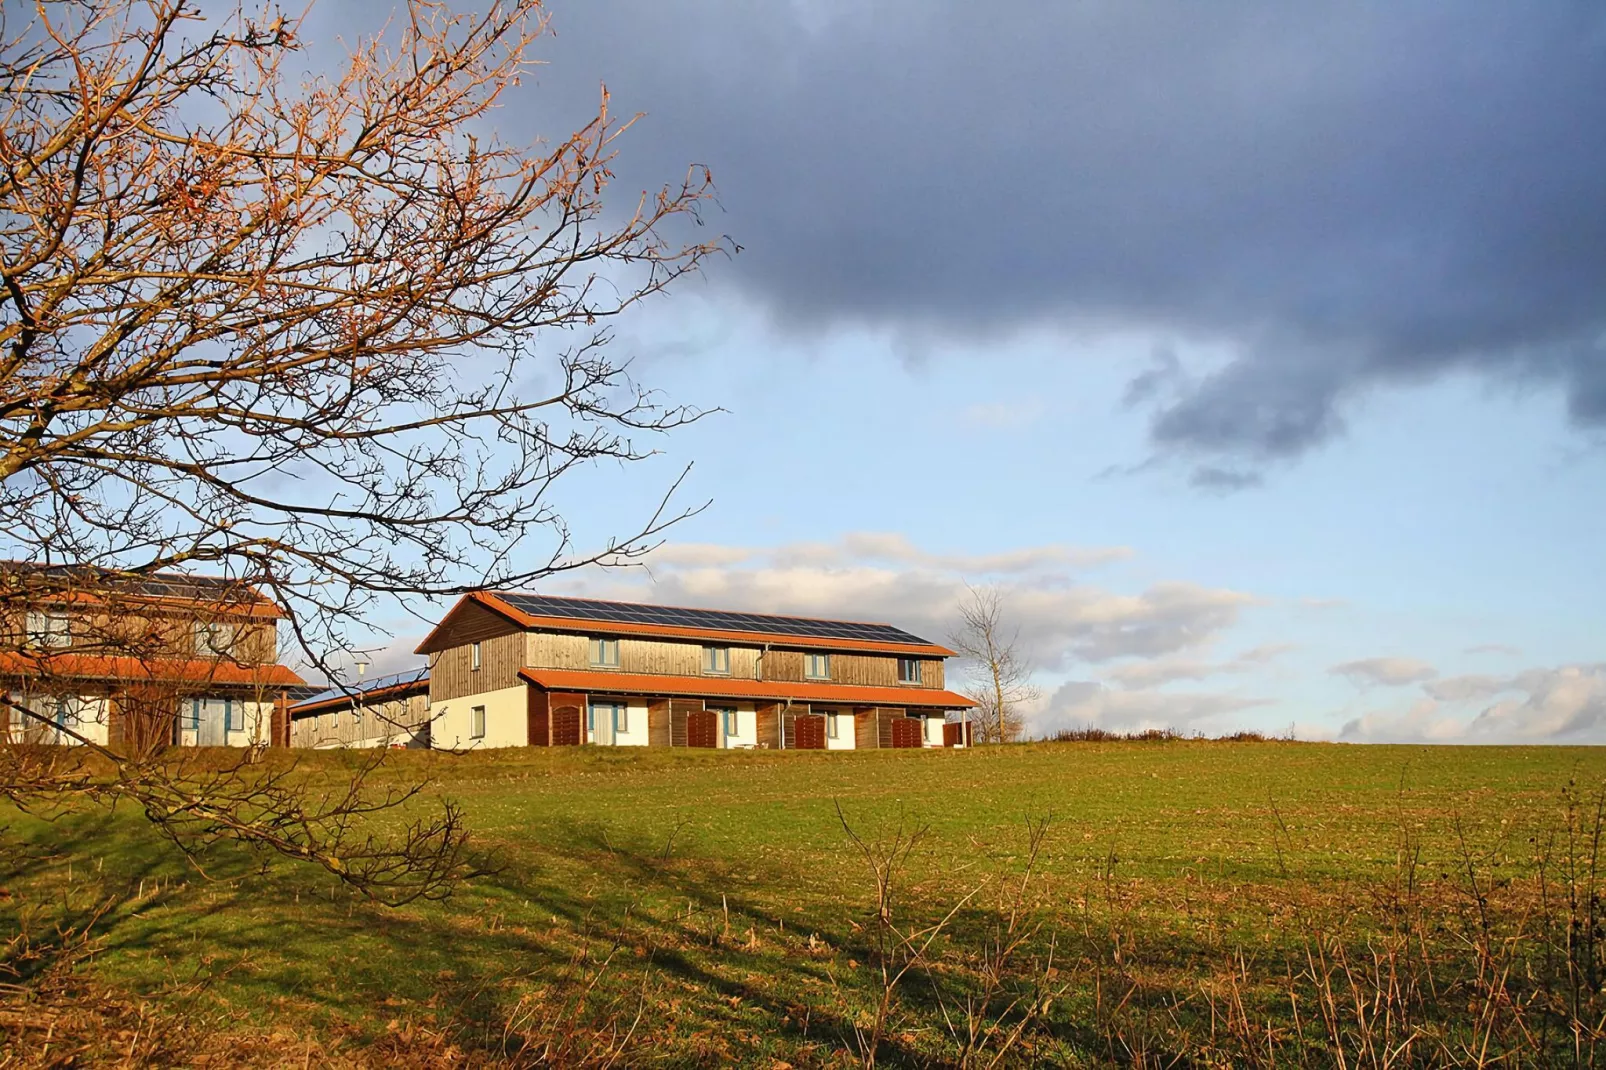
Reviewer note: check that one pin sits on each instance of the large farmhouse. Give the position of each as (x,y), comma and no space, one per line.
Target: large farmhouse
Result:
(511,670)
(139,660)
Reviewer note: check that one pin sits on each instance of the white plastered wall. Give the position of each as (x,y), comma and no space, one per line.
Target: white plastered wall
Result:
(635,734)
(507,720)
(933,729)
(746,734)
(846,731)
(255,720)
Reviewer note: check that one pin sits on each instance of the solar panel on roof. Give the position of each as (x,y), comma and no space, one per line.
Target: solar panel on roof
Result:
(708,619)
(411,676)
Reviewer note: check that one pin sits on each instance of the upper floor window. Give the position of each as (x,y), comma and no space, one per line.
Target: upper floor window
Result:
(817,666)
(213,637)
(474,657)
(717,660)
(908,670)
(605,653)
(47,629)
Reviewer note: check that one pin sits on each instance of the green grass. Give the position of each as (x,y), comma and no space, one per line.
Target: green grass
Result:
(738,909)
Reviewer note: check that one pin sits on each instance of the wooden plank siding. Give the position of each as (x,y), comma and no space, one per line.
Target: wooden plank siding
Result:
(679,709)
(769,723)
(452,673)
(361,723)
(150,632)
(660,657)
(658,728)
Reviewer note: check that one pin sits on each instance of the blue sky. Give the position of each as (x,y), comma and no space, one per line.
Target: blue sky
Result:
(1260,358)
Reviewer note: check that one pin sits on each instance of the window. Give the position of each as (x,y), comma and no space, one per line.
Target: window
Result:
(817,666)
(831,729)
(228,716)
(605,653)
(476,722)
(194,722)
(621,719)
(47,629)
(474,657)
(727,718)
(908,670)
(717,660)
(213,637)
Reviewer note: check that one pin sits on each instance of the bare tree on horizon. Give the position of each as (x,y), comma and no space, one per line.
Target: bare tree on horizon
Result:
(1000,676)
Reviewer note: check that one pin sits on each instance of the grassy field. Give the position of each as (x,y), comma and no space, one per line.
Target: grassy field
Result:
(1194,903)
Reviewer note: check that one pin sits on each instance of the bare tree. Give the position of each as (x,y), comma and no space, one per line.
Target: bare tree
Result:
(332,339)
(1000,675)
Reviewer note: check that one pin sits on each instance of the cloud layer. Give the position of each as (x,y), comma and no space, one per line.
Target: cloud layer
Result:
(1562,704)
(1338,197)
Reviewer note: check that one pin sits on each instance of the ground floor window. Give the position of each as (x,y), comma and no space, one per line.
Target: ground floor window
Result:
(477,722)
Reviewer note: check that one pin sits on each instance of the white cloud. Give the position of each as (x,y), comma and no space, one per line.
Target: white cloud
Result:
(1564,704)
(1385,672)
(1423,722)
(1466,688)
(885,576)
(1081,703)
(1161,671)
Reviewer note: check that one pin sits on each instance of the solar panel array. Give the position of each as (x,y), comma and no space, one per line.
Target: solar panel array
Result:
(153,584)
(363,687)
(587,609)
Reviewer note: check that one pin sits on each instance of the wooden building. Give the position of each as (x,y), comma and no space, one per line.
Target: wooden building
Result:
(389,711)
(136,661)
(512,669)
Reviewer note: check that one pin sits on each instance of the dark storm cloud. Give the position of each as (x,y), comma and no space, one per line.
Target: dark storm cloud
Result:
(1341,197)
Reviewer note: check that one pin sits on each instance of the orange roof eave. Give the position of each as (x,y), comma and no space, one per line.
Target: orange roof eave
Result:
(666,631)
(715,687)
(126,669)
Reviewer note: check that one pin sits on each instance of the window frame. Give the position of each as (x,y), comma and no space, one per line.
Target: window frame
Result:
(809,659)
(621,720)
(474,657)
(204,637)
(730,721)
(716,661)
(48,629)
(911,670)
(831,729)
(597,650)
(476,722)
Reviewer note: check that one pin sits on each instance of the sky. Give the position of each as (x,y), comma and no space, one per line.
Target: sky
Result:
(1256,352)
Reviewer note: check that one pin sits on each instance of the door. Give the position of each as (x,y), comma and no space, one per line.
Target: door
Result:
(604,723)
(907,731)
(702,728)
(567,725)
(808,732)
(211,718)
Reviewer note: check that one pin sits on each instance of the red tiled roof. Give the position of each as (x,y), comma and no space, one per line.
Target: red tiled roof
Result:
(715,687)
(144,670)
